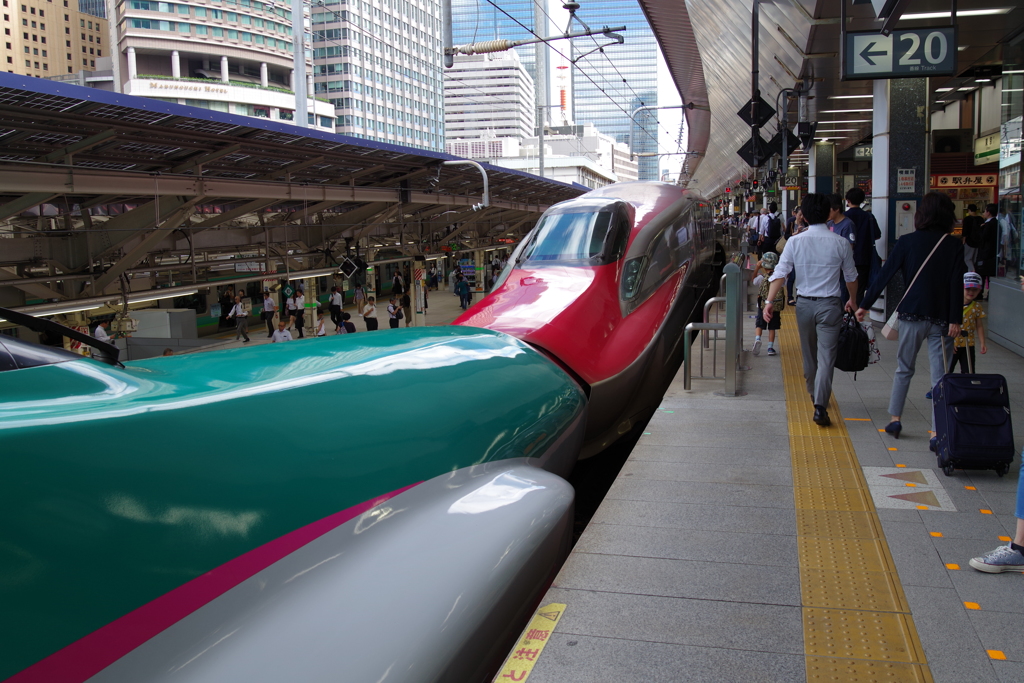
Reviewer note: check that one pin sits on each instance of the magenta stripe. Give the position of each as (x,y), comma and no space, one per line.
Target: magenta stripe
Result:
(91,654)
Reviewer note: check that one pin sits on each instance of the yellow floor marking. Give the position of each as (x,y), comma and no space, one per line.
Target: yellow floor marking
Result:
(953,566)
(996,654)
(936,534)
(900,465)
(524,655)
(985,512)
(971,488)
(857,623)
(972,605)
(1005,539)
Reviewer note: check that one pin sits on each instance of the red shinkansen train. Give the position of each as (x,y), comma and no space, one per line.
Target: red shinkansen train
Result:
(604,285)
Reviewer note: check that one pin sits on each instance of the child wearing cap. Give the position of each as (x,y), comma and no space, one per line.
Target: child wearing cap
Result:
(767,263)
(973,325)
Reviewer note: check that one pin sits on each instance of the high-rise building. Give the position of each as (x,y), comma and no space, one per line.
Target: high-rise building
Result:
(226,55)
(97,8)
(488,94)
(380,63)
(45,38)
(474,21)
(599,76)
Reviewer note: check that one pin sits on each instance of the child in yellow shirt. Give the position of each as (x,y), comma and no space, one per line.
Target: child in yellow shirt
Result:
(972,327)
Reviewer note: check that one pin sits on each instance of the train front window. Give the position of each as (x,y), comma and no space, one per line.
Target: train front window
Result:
(579,237)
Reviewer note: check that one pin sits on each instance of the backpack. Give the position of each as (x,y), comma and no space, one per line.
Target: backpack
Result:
(774,229)
(854,352)
(399,315)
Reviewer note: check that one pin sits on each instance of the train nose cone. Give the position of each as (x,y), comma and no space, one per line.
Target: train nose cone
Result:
(529,300)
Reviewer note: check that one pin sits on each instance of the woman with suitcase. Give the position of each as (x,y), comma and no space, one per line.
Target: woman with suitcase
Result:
(931,308)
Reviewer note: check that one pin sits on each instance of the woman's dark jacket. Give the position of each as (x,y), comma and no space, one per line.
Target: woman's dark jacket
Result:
(986,258)
(938,293)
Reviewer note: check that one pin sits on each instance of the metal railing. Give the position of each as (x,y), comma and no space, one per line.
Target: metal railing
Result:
(734,288)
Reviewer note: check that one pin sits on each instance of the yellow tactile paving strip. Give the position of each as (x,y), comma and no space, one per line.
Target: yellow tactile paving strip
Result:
(857,625)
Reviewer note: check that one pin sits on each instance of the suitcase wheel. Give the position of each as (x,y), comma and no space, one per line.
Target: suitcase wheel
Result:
(948,470)
(1003,469)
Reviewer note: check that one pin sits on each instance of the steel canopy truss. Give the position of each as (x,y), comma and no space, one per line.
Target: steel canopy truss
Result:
(95,184)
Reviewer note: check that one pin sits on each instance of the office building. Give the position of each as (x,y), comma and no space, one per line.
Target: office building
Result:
(379,62)
(233,56)
(46,38)
(488,94)
(603,99)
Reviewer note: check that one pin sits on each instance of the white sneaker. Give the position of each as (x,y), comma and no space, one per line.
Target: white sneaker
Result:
(756,350)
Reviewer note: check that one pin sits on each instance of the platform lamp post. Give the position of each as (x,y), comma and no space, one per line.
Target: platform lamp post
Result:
(299,64)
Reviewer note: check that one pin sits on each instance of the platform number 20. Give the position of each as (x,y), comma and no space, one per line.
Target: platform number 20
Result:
(935,48)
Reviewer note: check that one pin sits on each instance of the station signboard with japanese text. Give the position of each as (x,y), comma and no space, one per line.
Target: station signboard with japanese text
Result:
(906,53)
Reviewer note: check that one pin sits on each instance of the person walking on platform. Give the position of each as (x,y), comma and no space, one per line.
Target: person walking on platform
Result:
(818,256)
(370,314)
(334,304)
(462,290)
(931,308)
(289,304)
(774,233)
(281,334)
(394,313)
(359,298)
(865,232)
(767,263)
(970,232)
(988,242)
(241,317)
(300,312)
(269,307)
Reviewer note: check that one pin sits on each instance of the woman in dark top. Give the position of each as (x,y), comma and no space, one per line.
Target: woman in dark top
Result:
(932,308)
(988,238)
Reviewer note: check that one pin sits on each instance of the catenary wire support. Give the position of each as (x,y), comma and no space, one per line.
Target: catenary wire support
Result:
(487,192)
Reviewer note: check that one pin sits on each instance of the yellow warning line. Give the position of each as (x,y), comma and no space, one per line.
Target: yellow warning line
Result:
(520,661)
(857,625)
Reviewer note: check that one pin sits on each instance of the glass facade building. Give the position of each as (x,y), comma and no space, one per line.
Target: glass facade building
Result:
(97,8)
(603,99)
(380,63)
(474,21)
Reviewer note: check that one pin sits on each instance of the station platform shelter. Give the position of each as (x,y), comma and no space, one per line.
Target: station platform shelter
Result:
(742,542)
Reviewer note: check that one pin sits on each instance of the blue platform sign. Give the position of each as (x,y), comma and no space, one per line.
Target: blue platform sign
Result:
(906,53)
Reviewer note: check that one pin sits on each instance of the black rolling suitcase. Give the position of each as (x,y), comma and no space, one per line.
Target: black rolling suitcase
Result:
(972,422)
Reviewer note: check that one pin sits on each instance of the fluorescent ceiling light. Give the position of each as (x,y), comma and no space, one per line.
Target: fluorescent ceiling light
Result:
(1014,71)
(846,121)
(70,308)
(157,297)
(848,97)
(840,130)
(982,80)
(959,13)
(842,111)
(969,89)
(302,275)
(943,89)
(962,48)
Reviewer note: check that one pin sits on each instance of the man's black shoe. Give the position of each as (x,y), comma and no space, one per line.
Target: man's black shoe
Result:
(821,417)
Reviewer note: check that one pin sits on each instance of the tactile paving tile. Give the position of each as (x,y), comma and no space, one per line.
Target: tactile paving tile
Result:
(858,635)
(846,670)
(857,625)
(811,498)
(842,554)
(851,590)
(837,524)
(811,458)
(827,477)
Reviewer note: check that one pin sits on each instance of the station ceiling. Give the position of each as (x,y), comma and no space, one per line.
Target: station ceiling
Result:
(94,183)
(707,43)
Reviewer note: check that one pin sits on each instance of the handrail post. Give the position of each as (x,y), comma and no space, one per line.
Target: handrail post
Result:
(733,325)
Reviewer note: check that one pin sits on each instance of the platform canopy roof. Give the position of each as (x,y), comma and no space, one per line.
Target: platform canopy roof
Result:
(95,184)
(707,45)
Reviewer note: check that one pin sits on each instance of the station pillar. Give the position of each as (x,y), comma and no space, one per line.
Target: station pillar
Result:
(419,293)
(899,168)
(821,168)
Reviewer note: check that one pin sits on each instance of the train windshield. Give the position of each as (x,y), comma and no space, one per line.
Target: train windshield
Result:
(587,237)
